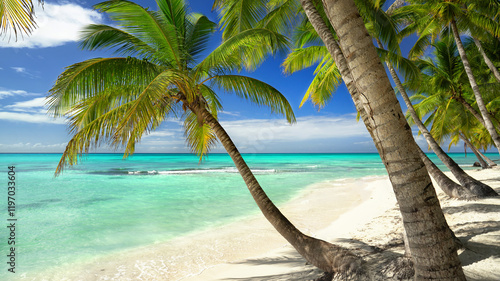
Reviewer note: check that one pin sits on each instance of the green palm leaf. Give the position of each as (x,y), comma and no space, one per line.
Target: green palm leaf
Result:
(17,15)
(302,58)
(200,137)
(326,80)
(199,29)
(93,76)
(247,49)
(256,91)
(146,25)
(239,15)
(95,37)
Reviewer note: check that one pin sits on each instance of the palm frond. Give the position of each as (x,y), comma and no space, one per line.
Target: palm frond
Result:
(305,34)
(17,15)
(403,65)
(239,15)
(255,91)
(100,129)
(148,26)
(92,77)
(143,115)
(302,58)
(199,30)
(247,49)
(324,84)
(281,16)
(383,26)
(174,11)
(97,36)
(200,137)
(212,99)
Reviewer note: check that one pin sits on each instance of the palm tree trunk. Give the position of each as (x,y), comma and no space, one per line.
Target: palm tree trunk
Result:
(447,185)
(483,163)
(488,160)
(475,88)
(334,49)
(471,109)
(324,255)
(478,188)
(490,64)
(434,253)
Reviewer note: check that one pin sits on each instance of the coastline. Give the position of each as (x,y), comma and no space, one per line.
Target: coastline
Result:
(196,254)
(359,214)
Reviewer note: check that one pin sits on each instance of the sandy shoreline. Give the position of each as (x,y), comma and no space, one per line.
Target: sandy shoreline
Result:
(355,213)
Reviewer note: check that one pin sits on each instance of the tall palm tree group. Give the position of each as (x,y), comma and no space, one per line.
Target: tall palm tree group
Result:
(449,82)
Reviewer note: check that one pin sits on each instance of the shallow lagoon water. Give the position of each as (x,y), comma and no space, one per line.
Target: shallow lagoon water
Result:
(106,204)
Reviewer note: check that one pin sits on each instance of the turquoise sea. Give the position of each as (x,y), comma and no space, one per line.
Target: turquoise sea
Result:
(106,204)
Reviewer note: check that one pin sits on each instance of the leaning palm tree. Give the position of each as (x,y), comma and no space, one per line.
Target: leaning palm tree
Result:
(117,100)
(416,187)
(442,83)
(456,17)
(433,253)
(380,22)
(393,59)
(17,15)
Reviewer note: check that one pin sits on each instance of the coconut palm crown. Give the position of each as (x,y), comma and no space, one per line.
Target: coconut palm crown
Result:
(158,74)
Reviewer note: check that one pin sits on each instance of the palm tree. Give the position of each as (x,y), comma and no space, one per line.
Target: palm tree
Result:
(443,77)
(320,23)
(394,141)
(327,78)
(460,15)
(17,15)
(393,58)
(465,139)
(118,100)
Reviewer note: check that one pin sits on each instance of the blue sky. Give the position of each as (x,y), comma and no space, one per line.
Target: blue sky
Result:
(29,67)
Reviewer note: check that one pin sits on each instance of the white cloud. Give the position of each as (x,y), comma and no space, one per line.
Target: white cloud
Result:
(30,118)
(33,147)
(230,113)
(306,128)
(9,93)
(19,69)
(36,103)
(57,25)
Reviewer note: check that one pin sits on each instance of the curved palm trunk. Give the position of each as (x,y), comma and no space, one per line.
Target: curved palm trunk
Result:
(488,160)
(483,163)
(324,255)
(471,109)
(487,60)
(447,185)
(434,253)
(475,88)
(476,187)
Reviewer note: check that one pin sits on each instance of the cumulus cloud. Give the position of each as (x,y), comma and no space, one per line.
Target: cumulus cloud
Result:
(57,24)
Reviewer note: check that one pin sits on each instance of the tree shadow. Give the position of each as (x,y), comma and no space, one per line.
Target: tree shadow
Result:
(472,207)
(476,251)
(289,259)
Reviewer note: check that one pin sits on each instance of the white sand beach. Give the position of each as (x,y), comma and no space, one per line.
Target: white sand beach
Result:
(359,214)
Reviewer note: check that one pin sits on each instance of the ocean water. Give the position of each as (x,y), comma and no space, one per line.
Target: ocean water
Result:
(106,204)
